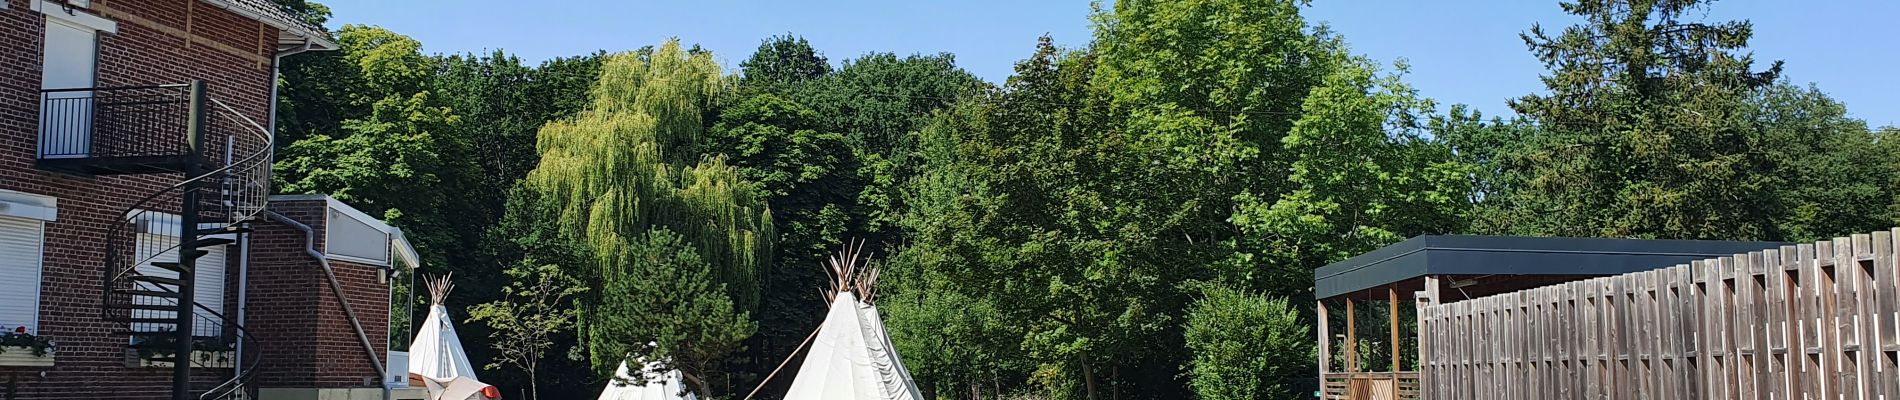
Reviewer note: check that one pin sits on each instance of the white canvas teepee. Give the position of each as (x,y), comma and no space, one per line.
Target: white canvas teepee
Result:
(436,358)
(852,357)
(437,351)
(667,386)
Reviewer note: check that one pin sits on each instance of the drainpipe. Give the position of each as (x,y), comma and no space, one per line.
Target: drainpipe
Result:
(310,238)
(244,242)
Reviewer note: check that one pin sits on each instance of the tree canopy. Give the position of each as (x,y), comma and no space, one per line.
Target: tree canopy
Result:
(1134,217)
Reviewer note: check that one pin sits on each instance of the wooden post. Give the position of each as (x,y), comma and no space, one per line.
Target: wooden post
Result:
(1352,339)
(1392,315)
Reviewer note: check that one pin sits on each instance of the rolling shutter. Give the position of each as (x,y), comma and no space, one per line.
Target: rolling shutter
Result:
(20,246)
(209,288)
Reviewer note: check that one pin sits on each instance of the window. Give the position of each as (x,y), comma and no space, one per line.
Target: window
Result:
(208,282)
(347,237)
(71,57)
(20,250)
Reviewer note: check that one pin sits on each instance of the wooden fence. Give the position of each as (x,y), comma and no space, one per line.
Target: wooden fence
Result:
(1814,321)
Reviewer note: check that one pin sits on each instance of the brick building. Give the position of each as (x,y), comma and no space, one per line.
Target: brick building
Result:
(136,219)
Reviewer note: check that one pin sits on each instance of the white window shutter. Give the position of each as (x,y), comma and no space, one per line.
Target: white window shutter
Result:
(210,291)
(20,252)
(209,280)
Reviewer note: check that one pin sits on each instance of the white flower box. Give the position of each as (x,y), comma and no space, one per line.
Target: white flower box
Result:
(22,356)
(205,359)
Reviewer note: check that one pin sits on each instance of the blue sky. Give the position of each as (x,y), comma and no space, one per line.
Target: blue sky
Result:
(1461,51)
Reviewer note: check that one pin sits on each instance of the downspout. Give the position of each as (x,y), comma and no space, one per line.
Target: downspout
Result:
(244,245)
(310,239)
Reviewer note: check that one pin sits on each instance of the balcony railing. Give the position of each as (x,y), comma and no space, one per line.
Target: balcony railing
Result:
(95,130)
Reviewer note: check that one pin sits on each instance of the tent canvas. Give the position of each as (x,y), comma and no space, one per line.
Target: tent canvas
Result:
(436,357)
(852,357)
(437,351)
(666,386)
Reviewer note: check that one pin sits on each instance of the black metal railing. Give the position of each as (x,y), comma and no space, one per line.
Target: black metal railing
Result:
(130,121)
(226,186)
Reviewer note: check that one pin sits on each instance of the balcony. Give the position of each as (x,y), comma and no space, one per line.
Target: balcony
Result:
(122,130)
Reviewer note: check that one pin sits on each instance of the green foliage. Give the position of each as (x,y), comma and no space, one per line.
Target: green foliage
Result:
(533,311)
(1363,176)
(828,149)
(659,304)
(1247,346)
(783,60)
(1134,218)
(39,346)
(309,12)
(1658,126)
(615,180)
(1637,136)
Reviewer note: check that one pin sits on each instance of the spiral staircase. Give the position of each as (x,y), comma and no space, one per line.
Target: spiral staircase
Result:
(153,254)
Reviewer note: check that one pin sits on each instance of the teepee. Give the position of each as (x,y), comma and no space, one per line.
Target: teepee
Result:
(851,356)
(667,386)
(436,358)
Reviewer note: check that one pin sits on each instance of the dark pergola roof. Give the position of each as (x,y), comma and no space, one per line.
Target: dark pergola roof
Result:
(1513,255)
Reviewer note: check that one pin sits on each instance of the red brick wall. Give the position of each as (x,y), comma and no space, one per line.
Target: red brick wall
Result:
(90,362)
(297,316)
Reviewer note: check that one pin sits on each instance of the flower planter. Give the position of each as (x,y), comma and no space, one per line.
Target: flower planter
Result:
(203,359)
(22,356)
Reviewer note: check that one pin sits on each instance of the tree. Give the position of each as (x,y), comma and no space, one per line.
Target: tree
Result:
(399,158)
(809,177)
(533,310)
(1638,135)
(879,101)
(1888,142)
(309,12)
(783,60)
(825,146)
(1363,176)
(1247,346)
(613,175)
(663,309)
(1818,173)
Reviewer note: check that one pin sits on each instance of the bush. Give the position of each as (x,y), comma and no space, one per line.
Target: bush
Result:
(1247,346)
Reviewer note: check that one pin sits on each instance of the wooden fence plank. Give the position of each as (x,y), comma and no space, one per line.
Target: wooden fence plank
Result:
(1865,347)
(1886,305)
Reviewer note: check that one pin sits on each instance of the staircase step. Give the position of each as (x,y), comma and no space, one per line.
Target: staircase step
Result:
(155,279)
(152,293)
(213,241)
(224,230)
(154,307)
(169,266)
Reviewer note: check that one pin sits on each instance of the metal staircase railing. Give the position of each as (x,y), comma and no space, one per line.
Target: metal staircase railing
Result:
(153,254)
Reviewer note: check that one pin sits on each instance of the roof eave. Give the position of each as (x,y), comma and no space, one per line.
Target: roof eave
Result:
(304,37)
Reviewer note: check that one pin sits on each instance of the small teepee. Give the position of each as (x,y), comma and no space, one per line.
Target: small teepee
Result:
(667,386)
(851,357)
(436,358)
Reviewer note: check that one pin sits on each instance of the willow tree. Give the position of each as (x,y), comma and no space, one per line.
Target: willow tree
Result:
(622,171)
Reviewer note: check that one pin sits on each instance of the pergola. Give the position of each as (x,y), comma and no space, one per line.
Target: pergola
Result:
(1434,269)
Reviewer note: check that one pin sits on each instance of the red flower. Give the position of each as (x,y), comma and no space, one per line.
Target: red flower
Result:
(21,329)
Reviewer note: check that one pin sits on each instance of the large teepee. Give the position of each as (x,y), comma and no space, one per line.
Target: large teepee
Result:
(436,358)
(667,386)
(851,357)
